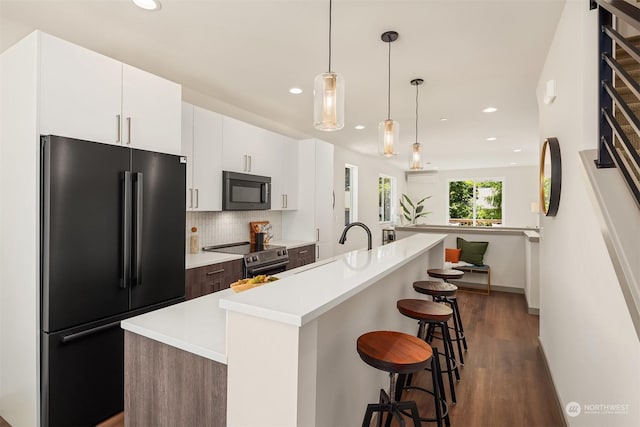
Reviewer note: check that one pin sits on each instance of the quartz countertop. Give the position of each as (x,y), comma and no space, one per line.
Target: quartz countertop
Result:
(199,325)
(299,298)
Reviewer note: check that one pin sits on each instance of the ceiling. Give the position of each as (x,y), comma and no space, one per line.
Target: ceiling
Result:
(246,54)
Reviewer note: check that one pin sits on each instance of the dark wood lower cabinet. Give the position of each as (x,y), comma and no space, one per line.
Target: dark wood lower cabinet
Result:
(201,281)
(301,256)
(166,386)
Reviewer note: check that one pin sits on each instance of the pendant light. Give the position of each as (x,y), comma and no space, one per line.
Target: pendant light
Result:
(388,130)
(328,96)
(416,162)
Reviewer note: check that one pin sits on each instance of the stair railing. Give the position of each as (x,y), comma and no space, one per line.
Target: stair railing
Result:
(615,148)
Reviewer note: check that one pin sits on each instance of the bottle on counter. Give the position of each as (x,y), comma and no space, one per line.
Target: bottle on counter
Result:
(194,246)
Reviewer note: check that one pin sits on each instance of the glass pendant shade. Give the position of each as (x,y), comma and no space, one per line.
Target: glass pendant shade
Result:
(416,162)
(388,134)
(328,102)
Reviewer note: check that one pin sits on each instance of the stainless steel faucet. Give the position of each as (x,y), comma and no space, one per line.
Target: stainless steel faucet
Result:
(343,238)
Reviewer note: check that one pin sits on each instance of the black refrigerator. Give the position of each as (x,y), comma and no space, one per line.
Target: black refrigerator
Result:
(112,246)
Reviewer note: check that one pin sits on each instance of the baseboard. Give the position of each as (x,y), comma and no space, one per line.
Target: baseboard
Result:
(555,390)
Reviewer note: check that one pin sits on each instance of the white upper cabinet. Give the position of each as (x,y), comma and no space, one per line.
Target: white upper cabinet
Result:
(202,144)
(247,148)
(285,176)
(80,92)
(150,111)
(87,95)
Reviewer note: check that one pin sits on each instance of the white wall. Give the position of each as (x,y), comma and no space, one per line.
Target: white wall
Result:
(585,328)
(520,189)
(369,167)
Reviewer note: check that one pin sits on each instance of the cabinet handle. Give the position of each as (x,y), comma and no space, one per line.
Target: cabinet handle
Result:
(283,203)
(119,124)
(197,198)
(244,168)
(317,234)
(191,198)
(317,251)
(249,163)
(211,273)
(286,200)
(302,252)
(128,130)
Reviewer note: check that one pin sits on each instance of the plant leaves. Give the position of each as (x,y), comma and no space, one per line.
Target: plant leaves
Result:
(422,201)
(423,214)
(406,211)
(409,201)
(419,209)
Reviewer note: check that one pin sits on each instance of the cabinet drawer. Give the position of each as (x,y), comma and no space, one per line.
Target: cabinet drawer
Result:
(211,278)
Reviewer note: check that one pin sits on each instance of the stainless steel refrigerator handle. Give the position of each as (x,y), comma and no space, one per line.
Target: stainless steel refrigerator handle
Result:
(92,331)
(119,127)
(128,130)
(138,185)
(126,230)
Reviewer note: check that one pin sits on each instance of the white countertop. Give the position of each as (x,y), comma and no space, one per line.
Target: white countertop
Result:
(299,298)
(199,325)
(207,258)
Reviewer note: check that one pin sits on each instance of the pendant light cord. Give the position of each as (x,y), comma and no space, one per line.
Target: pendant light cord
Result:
(330,7)
(389,85)
(417,112)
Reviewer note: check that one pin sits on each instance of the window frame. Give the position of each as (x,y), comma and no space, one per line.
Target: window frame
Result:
(474,207)
(392,198)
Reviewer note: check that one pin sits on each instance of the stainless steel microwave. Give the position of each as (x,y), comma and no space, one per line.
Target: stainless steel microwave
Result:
(244,192)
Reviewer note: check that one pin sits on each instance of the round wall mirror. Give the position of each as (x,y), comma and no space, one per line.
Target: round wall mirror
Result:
(550,176)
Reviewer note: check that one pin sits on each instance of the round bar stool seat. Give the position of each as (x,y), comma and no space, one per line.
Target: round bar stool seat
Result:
(435,289)
(398,354)
(394,352)
(432,315)
(445,273)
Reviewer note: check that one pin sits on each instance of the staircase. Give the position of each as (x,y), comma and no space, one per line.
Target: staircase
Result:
(632,67)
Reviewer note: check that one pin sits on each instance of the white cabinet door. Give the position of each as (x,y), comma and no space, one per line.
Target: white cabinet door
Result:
(324,198)
(151,111)
(79,92)
(236,140)
(289,173)
(207,164)
(187,148)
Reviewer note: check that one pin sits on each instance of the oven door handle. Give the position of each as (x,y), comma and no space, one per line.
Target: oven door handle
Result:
(258,270)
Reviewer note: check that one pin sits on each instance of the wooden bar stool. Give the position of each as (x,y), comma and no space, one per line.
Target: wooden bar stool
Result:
(440,291)
(434,315)
(446,275)
(399,354)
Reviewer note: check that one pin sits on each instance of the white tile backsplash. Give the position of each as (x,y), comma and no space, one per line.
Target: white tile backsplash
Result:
(215,228)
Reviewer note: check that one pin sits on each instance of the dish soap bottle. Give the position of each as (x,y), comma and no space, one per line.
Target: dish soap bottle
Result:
(194,247)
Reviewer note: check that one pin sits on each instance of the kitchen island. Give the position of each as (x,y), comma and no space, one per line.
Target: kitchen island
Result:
(284,351)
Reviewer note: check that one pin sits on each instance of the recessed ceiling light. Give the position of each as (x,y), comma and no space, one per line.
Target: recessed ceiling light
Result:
(148,4)
(517,150)
(513,163)
(295,90)
(490,110)
(491,138)
(443,119)
(359,127)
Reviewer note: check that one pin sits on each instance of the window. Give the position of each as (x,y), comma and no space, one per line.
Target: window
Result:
(386,195)
(350,194)
(475,202)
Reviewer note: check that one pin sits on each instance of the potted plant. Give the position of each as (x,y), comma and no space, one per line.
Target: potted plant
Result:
(412,211)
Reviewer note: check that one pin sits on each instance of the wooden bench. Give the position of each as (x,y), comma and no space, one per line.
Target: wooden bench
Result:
(482,269)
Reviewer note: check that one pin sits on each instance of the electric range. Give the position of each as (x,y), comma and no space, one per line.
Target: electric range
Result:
(265,259)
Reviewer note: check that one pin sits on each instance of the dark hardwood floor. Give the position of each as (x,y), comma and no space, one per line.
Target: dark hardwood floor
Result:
(504,382)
